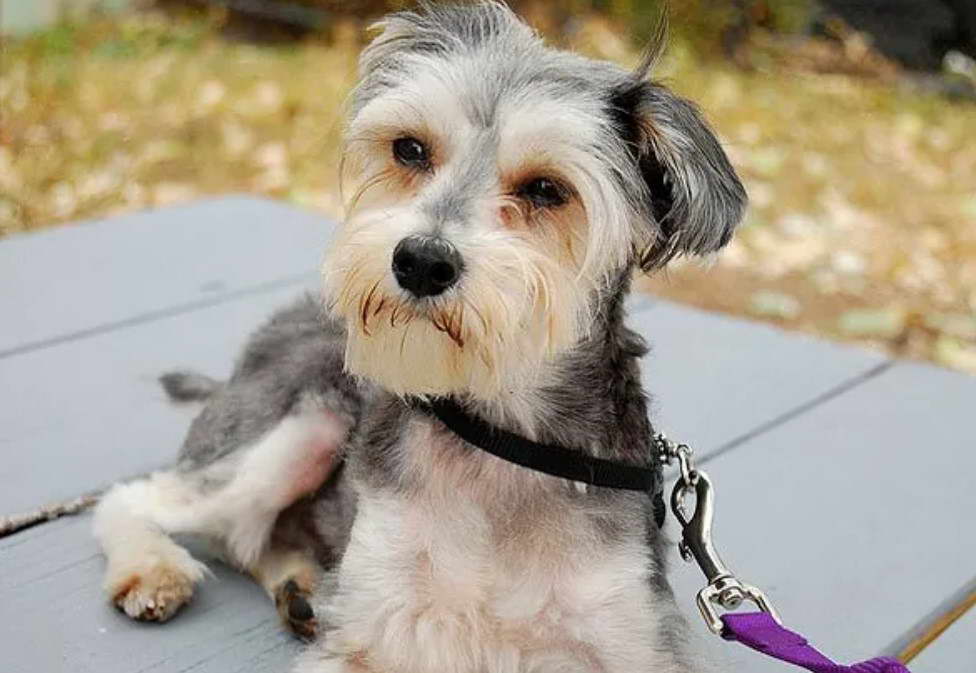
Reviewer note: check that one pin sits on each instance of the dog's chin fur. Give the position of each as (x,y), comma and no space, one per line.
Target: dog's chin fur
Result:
(514,309)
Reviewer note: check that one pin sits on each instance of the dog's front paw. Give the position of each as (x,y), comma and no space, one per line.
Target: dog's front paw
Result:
(156,590)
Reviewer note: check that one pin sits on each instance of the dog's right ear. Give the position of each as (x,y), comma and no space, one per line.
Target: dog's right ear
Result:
(688,191)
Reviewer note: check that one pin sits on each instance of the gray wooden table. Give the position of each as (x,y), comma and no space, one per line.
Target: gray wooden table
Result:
(845,480)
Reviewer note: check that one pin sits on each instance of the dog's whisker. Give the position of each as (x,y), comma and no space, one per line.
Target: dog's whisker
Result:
(364,309)
(456,324)
(403,338)
(394,314)
(481,317)
(365,187)
(444,323)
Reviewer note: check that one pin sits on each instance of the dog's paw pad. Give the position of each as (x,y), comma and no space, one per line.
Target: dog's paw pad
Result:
(296,612)
(154,595)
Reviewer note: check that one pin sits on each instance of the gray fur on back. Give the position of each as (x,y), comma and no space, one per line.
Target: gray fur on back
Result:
(295,355)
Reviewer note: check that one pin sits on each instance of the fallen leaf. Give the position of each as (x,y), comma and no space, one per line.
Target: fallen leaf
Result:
(772,304)
(885,323)
(958,325)
(954,353)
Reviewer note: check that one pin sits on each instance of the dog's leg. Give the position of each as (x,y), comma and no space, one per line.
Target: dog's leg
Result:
(236,500)
(289,576)
(292,460)
(149,576)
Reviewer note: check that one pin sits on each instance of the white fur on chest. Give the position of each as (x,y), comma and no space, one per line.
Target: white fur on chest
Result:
(439,582)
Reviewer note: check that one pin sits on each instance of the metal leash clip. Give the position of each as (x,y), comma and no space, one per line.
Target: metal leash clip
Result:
(724,588)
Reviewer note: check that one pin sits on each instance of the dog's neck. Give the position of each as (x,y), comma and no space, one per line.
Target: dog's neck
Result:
(590,400)
(588,397)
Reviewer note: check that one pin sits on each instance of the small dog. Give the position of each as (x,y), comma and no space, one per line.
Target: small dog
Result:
(505,192)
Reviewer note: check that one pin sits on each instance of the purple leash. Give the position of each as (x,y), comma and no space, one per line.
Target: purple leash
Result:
(759,631)
(762,630)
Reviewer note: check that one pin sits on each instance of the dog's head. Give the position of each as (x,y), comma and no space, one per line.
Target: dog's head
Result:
(498,188)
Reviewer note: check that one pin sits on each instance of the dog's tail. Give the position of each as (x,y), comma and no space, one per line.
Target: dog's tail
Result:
(187,386)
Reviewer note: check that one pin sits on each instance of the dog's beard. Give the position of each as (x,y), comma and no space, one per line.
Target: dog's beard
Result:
(513,310)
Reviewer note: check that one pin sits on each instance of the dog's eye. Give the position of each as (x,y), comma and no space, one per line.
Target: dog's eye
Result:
(543,193)
(411,152)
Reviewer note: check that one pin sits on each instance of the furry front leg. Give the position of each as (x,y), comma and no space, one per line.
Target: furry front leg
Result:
(150,577)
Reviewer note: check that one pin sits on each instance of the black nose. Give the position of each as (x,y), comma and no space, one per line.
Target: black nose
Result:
(426,266)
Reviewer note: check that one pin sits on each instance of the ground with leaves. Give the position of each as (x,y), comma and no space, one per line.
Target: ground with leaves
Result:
(863,218)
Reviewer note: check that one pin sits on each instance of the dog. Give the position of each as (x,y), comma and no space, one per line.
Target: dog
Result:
(503,194)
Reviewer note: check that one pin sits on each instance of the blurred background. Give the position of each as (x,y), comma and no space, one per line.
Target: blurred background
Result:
(852,122)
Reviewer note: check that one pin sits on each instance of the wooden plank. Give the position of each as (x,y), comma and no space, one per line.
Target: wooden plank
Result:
(90,411)
(849,515)
(715,379)
(931,628)
(89,278)
(954,650)
(56,618)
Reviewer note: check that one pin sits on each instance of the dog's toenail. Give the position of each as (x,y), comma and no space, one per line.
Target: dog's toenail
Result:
(299,609)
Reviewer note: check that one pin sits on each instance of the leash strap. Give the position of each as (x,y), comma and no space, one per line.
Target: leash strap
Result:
(759,631)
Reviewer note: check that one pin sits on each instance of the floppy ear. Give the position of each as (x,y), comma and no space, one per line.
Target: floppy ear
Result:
(688,190)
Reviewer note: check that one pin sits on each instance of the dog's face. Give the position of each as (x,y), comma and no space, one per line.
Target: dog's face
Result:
(498,189)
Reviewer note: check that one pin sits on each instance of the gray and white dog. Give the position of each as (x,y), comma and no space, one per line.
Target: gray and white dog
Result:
(504,194)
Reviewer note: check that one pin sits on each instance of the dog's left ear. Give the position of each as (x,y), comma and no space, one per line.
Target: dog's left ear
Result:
(688,190)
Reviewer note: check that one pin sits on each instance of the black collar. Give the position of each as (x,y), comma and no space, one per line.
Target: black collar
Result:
(550,459)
